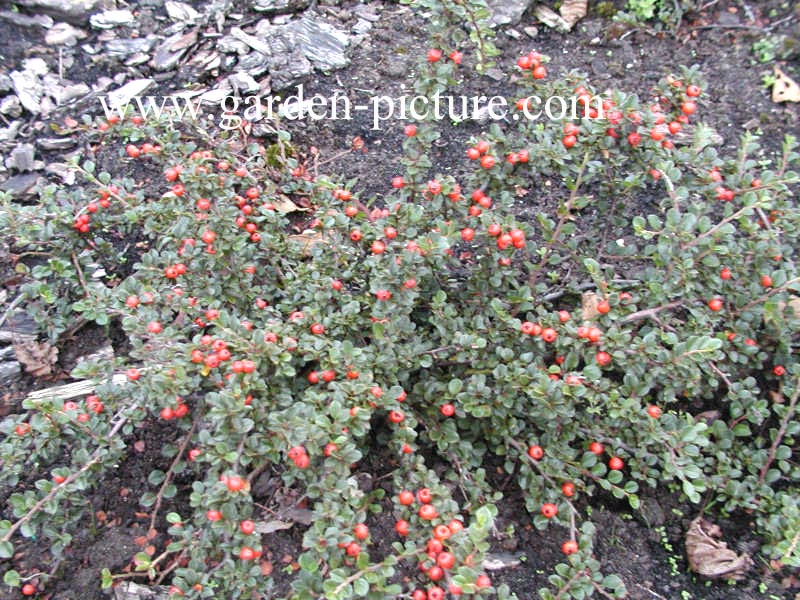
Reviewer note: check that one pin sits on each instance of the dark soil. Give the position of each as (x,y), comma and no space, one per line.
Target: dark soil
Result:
(647,554)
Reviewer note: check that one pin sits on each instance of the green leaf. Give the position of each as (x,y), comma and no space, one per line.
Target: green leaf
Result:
(11,578)
(308,562)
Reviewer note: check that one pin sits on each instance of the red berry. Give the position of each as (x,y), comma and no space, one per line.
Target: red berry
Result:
(779,370)
(535,452)
(596,448)
(654,411)
(549,510)
(615,463)
(569,547)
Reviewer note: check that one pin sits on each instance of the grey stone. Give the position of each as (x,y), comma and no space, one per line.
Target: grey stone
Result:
(37,66)
(74,11)
(25,20)
(121,96)
(495,561)
(243,83)
(362,27)
(124,47)
(506,12)
(181,12)
(322,43)
(21,158)
(9,134)
(63,34)
(255,63)
(111,18)
(171,50)
(230,45)
(62,170)
(57,143)
(5,83)
(10,106)
(20,186)
(362,11)
(280,6)
(10,371)
(28,88)
(531,31)
(63,91)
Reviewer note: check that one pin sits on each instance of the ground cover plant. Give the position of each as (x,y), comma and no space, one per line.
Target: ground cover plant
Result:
(281,323)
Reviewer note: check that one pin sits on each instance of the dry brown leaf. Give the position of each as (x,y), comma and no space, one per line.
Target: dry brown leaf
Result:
(308,239)
(785,89)
(37,358)
(284,205)
(265,527)
(709,556)
(573,11)
(589,301)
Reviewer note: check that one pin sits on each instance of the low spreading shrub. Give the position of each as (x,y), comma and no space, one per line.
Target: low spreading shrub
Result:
(283,323)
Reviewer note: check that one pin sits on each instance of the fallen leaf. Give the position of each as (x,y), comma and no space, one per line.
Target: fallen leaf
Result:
(284,205)
(573,11)
(785,89)
(266,568)
(589,301)
(264,527)
(308,238)
(37,358)
(711,557)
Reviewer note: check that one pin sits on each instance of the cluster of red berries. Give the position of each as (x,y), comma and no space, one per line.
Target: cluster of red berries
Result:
(299,455)
(439,560)
(178,411)
(532,62)
(82,220)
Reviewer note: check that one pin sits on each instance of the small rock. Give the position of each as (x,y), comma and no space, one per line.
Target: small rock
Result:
(322,43)
(62,94)
(25,20)
(10,371)
(21,158)
(513,34)
(181,12)
(63,34)
(362,11)
(28,88)
(10,106)
(36,66)
(74,11)
(230,45)
(58,143)
(506,12)
(111,18)
(243,83)
(128,590)
(122,96)
(280,6)
(9,134)
(20,186)
(62,170)
(171,50)
(531,31)
(5,83)
(123,48)
(254,63)
(362,27)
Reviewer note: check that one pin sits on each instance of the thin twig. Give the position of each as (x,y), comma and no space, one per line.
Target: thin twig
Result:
(168,476)
(781,432)
(72,477)
(649,312)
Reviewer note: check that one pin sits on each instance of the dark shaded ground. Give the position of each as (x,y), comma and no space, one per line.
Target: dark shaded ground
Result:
(647,555)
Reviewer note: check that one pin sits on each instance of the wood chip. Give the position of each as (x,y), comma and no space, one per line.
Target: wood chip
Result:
(785,89)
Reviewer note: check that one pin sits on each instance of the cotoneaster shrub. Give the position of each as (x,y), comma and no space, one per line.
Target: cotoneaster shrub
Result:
(436,325)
